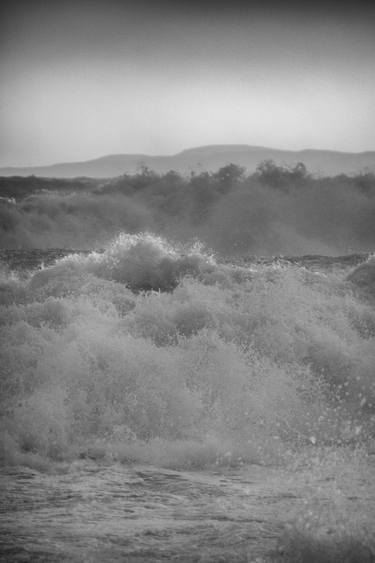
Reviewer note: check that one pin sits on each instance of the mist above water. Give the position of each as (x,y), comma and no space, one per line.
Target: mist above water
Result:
(276,211)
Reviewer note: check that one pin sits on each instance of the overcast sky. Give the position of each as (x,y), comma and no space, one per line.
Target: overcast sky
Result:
(83,79)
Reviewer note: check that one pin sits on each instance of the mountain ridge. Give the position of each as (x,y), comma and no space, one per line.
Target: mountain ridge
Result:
(204,158)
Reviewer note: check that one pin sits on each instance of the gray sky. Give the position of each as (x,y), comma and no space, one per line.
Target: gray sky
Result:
(87,78)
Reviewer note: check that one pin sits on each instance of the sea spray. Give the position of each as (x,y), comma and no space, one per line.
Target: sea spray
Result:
(154,352)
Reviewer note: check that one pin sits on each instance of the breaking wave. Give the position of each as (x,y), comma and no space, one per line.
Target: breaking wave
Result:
(154,352)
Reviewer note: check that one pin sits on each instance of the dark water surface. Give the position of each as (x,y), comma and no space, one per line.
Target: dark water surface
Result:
(117,513)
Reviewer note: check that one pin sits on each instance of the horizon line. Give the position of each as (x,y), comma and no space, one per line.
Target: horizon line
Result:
(198,147)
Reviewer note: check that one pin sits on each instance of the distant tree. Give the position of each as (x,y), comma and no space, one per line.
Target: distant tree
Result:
(200,196)
(228,176)
(299,171)
(144,178)
(281,177)
(365,183)
(166,193)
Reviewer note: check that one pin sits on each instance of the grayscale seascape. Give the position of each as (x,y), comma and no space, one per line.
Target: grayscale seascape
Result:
(187,281)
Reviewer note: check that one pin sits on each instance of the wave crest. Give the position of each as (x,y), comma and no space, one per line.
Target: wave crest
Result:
(149,350)
(143,262)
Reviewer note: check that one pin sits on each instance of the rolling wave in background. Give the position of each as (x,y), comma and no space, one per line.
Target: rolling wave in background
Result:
(274,211)
(163,353)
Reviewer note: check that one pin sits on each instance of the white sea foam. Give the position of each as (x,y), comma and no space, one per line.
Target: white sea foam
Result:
(148,351)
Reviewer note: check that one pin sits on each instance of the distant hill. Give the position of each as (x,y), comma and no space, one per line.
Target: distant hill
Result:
(320,162)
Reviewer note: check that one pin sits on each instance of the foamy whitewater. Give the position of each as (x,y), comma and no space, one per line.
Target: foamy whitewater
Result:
(152,353)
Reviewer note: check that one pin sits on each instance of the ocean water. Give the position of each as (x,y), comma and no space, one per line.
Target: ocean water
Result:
(160,403)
